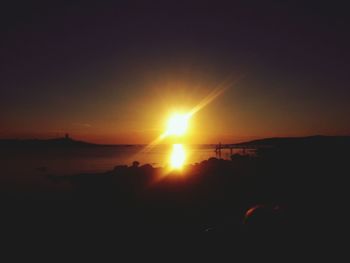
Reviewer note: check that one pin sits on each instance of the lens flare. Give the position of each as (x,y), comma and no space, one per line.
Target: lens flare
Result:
(178,156)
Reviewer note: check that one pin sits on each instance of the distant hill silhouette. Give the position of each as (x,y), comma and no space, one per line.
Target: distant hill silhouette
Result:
(57,142)
(298,141)
(63,142)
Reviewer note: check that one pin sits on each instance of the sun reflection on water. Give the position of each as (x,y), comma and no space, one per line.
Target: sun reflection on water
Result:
(177,156)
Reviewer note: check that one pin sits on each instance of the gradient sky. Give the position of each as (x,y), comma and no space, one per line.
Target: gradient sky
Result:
(113,72)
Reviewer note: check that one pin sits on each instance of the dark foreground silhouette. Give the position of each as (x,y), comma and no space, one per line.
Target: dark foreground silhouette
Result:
(294,190)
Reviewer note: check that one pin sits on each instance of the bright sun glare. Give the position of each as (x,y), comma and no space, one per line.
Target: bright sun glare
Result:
(177,124)
(178,156)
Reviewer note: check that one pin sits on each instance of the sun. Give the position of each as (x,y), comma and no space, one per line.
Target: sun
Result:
(177,124)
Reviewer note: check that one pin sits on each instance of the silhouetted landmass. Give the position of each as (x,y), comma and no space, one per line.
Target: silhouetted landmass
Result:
(317,140)
(50,143)
(295,189)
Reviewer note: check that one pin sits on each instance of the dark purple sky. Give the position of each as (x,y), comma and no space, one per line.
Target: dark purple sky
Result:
(111,72)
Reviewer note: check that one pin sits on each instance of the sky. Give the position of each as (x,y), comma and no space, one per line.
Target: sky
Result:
(113,72)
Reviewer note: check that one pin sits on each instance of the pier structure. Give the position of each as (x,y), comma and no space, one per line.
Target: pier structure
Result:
(219,147)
